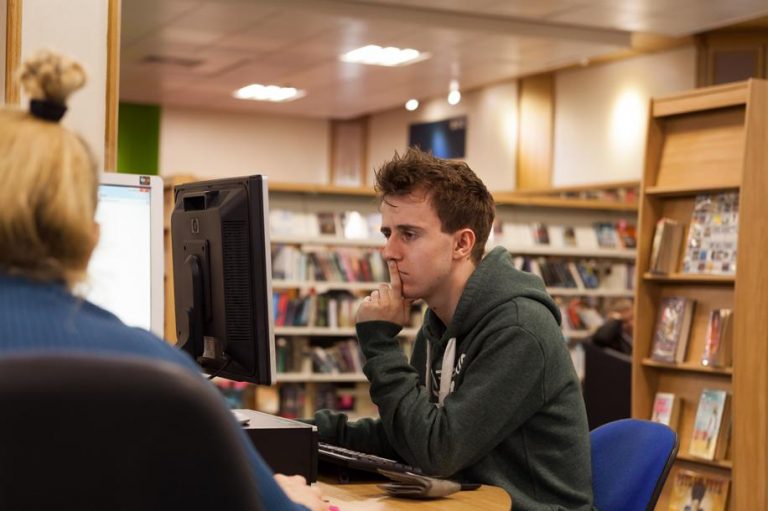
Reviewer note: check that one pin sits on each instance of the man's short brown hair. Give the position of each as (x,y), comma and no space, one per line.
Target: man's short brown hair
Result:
(459,197)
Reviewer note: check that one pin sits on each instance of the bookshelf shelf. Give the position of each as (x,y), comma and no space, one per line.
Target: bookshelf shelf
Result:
(322,286)
(724,464)
(709,141)
(687,191)
(327,241)
(690,278)
(555,202)
(612,293)
(321,377)
(547,250)
(691,367)
(309,331)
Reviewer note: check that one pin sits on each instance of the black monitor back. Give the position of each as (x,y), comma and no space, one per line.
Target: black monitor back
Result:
(222,277)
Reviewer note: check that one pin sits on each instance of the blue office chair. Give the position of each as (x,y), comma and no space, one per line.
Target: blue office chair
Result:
(631,459)
(82,431)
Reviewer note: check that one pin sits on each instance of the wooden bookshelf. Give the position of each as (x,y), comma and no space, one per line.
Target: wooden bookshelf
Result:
(710,140)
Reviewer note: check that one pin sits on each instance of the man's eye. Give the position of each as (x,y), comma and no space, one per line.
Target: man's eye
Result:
(407,235)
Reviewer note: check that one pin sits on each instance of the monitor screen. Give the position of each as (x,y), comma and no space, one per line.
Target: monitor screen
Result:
(125,273)
(223,277)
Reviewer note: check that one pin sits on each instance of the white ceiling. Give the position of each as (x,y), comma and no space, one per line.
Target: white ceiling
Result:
(209,48)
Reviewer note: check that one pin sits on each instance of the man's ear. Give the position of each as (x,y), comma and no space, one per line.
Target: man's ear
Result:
(464,242)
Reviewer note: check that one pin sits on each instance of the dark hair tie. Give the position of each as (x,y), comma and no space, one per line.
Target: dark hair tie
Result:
(47,110)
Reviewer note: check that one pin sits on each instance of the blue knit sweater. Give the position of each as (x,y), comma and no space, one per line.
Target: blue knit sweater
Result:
(44,318)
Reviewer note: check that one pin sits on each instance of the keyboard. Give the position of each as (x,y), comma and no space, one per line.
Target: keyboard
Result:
(348,458)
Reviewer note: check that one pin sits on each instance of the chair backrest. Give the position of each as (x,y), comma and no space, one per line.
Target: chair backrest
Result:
(607,385)
(96,432)
(631,459)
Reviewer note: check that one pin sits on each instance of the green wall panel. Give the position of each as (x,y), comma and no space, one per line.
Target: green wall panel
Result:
(138,138)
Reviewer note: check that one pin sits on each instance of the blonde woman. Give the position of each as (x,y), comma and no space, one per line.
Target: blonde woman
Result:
(48,187)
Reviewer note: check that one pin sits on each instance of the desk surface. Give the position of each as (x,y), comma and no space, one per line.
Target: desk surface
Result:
(367,497)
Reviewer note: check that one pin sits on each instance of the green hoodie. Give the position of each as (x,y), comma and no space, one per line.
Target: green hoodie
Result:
(515,417)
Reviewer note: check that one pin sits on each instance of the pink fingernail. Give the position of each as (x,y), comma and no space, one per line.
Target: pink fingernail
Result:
(333,508)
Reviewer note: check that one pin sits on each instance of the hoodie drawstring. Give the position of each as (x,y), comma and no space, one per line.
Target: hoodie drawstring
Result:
(446,371)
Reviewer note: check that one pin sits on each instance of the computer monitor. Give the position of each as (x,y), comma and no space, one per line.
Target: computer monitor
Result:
(223,277)
(126,271)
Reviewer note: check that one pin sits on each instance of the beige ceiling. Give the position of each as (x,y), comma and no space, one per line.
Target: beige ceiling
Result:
(197,52)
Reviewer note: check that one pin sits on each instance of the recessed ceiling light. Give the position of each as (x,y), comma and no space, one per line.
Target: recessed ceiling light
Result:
(378,56)
(412,104)
(259,92)
(454,96)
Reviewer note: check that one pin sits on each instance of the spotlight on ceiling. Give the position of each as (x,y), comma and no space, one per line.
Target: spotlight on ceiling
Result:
(454,96)
(412,104)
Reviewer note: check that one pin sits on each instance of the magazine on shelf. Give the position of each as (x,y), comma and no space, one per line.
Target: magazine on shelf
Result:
(718,339)
(666,409)
(673,324)
(696,491)
(711,426)
(607,237)
(713,235)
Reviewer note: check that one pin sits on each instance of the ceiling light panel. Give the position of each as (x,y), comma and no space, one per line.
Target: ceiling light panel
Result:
(377,56)
(273,93)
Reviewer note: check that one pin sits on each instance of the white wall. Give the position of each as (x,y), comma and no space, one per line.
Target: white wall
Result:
(491,132)
(77,28)
(221,144)
(601,114)
(600,128)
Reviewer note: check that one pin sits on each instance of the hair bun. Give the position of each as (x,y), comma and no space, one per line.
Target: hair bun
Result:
(51,77)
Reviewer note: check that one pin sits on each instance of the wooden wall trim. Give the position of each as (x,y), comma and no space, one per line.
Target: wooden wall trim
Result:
(535,132)
(113,85)
(12,50)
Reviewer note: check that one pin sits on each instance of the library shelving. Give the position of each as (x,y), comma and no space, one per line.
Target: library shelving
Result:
(578,207)
(709,141)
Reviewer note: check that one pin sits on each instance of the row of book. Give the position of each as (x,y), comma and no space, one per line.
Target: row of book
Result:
(599,235)
(711,427)
(335,224)
(580,314)
(621,194)
(711,243)
(579,274)
(672,332)
(300,356)
(321,264)
(293,398)
(333,309)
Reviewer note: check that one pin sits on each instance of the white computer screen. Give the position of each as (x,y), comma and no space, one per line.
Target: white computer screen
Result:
(125,274)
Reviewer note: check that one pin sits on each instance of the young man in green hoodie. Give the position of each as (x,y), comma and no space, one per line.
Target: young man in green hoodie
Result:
(490,394)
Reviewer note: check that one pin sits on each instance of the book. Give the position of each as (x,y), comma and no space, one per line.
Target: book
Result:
(717,340)
(673,324)
(666,409)
(627,234)
(713,235)
(540,233)
(665,248)
(695,491)
(328,223)
(607,237)
(710,429)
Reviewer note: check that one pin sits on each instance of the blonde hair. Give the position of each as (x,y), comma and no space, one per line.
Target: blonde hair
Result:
(48,181)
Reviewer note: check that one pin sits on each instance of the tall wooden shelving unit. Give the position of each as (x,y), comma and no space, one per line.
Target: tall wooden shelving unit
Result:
(710,140)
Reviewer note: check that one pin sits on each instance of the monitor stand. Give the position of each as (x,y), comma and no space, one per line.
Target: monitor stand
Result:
(288,446)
